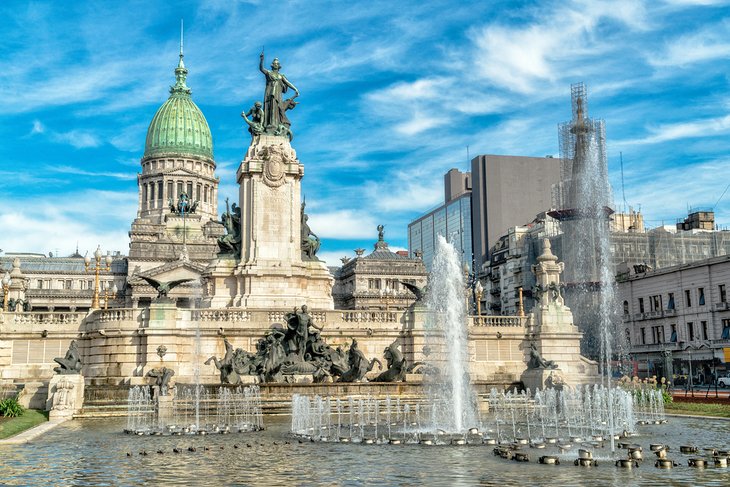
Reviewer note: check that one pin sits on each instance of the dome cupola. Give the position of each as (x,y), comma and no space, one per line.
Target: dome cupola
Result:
(179,127)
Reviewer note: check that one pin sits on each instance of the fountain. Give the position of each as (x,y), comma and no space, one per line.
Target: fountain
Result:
(195,409)
(450,391)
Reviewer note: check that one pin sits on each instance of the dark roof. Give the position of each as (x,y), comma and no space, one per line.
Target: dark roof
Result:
(58,264)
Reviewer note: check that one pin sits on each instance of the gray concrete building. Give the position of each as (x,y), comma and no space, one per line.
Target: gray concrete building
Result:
(508,191)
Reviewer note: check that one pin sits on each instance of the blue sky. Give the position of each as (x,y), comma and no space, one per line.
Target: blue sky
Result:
(392,93)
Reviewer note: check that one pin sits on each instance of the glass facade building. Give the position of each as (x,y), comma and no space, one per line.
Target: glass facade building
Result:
(452,220)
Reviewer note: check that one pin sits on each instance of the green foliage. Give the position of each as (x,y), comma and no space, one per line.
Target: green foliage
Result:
(667,396)
(11,408)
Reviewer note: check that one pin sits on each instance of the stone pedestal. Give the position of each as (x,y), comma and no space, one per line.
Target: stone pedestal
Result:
(553,334)
(163,320)
(272,271)
(164,408)
(535,379)
(65,395)
(221,283)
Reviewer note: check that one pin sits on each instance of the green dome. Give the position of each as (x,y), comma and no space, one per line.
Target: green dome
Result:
(179,127)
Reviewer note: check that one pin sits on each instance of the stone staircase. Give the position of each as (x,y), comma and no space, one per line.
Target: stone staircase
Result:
(111,401)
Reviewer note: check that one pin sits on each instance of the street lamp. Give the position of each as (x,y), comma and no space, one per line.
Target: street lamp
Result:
(97,269)
(107,295)
(479,289)
(7,281)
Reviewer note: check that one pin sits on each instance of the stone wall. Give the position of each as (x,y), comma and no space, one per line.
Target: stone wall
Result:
(120,346)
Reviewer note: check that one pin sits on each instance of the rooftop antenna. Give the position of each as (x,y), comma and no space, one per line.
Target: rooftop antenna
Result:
(467,156)
(720,198)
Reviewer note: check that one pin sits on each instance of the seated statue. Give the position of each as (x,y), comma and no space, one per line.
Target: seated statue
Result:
(71,363)
(310,241)
(537,361)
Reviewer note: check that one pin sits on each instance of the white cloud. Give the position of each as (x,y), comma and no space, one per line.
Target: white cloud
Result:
(655,189)
(676,131)
(129,176)
(38,128)
(517,58)
(342,224)
(705,45)
(77,138)
(405,192)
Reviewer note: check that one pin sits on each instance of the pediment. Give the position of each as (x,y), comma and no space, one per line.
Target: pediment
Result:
(171,271)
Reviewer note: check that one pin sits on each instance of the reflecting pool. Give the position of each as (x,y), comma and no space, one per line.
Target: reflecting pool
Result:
(95,452)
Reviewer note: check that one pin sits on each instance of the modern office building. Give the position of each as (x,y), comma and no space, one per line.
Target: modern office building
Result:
(451,220)
(508,191)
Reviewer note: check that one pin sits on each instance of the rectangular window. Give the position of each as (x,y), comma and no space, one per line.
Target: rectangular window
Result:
(190,190)
(701,296)
(673,337)
(169,190)
(144,192)
(703,324)
(197,192)
(723,293)
(641,305)
(152,192)
(179,190)
(670,304)
(690,331)
(687,298)
(68,283)
(656,303)
(643,336)
(657,333)
(725,329)
(205,194)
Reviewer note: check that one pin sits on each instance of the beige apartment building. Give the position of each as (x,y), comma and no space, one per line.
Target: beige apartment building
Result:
(679,317)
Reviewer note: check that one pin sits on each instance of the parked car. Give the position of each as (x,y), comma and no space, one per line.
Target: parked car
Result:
(723,381)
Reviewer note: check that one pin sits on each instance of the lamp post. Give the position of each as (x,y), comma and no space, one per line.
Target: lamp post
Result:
(479,289)
(6,281)
(107,295)
(97,269)
(689,383)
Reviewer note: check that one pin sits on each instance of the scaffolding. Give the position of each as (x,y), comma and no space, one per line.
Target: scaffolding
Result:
(567,144)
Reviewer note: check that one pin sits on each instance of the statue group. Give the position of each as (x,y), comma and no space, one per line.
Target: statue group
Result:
(270,117)
(298,349)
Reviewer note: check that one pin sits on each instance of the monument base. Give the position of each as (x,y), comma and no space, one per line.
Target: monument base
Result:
(65,395)
(221,283)
(271,284)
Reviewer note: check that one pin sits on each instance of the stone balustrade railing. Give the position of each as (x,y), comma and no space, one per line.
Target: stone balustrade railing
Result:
(222,315)
(52,317)
(359,318)
(369,316)
(498,321)
(117,314)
